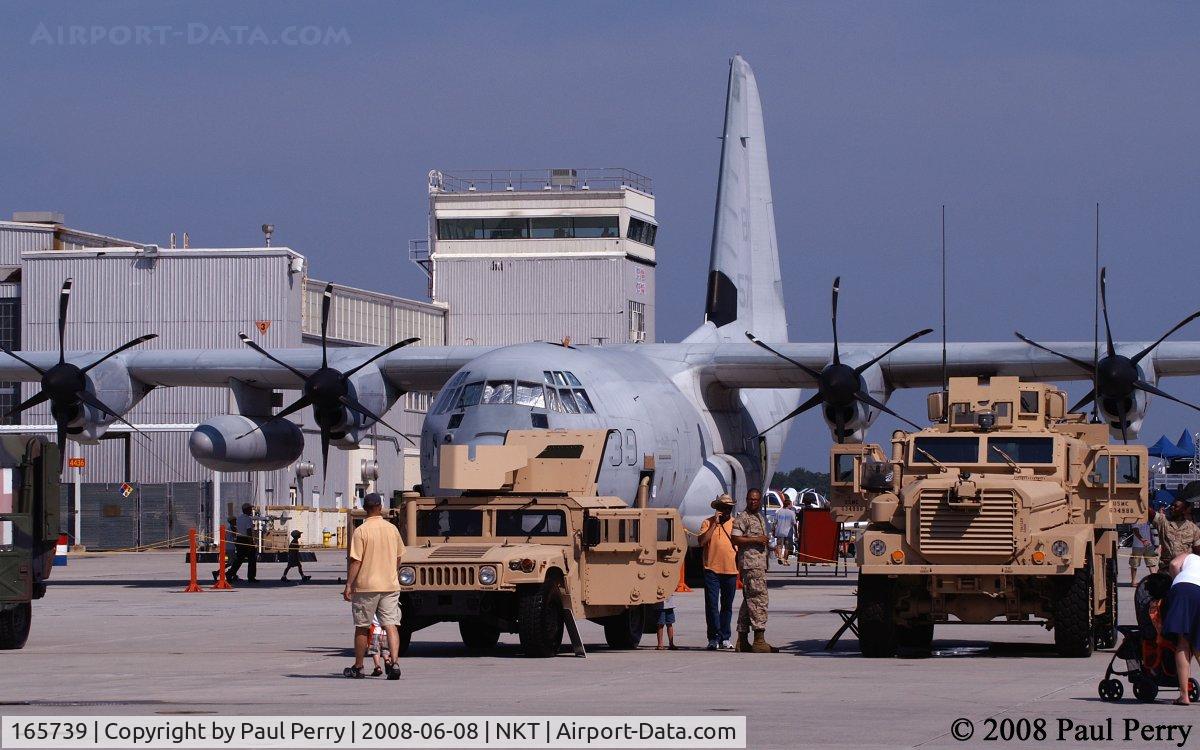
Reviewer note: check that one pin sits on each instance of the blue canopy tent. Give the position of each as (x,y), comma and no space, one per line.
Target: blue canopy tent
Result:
(1167,450)
(1187,444)
(1162,498)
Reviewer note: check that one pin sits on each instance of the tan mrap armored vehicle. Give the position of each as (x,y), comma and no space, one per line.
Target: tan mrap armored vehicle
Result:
(1008,510)
(529,547)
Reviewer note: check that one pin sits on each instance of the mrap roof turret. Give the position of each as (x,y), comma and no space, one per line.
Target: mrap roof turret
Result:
(529,547)
(1005,509)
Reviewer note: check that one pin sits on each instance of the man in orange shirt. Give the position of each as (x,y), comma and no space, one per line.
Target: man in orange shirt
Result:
(373,585)
(720,573)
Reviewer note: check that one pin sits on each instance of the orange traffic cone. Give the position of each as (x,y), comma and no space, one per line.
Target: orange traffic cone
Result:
(682,588)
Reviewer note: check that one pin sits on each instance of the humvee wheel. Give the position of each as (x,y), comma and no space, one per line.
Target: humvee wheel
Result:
(917,636)
(478,635)
(877,616)
(539,619)
(14,626)
(1074,626)
(1106,624)
(624,631)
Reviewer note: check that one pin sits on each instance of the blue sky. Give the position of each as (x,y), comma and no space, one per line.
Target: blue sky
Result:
(1018,116)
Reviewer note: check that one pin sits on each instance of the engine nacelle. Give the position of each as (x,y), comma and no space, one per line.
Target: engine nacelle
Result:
(857,416)
(111,383)
(1134,406)
(371,390)
(215,444)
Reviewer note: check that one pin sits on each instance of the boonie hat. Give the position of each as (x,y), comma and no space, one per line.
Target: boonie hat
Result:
(722,501)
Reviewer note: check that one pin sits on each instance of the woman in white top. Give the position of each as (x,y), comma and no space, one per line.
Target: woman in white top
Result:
(1182,622)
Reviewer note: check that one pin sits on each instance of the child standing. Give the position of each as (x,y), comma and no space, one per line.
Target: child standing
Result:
(666,620)
(379,646)
(293,558)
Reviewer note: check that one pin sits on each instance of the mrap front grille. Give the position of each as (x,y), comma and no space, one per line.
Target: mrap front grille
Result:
(985,529)
(446,576)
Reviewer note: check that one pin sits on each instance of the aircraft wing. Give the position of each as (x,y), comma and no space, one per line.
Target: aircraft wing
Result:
(413,368)
(916,365)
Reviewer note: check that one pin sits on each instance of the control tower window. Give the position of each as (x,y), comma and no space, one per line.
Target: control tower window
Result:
(552,227)
(597,226)
(505,229)
(498,392)
(460,229)
(641,231)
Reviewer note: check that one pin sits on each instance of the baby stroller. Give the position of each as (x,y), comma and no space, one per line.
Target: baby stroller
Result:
(1148,656)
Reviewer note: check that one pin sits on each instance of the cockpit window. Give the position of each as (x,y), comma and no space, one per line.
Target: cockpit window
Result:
(548,377)
(560,378)
(568,401)
(572,379)
(498,392)
(470,395)
(584,403)
(449,394)
(530,394)
(553,402)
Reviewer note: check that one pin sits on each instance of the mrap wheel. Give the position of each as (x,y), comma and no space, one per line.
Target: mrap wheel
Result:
(1074,626)
(877,616)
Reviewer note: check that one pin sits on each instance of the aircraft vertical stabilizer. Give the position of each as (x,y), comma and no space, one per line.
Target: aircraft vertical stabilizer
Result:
(744,288)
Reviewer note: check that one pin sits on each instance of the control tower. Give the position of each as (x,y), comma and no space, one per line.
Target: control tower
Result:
(541,255)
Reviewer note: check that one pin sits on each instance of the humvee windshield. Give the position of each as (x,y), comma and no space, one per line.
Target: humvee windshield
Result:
(447,522)
(1023,450)
(947,450)
(530,523)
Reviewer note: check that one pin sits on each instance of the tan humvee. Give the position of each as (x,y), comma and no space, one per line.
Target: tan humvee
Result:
(529,547)
(1007,510)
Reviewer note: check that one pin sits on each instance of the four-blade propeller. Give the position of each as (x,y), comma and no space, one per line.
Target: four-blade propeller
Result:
(64,385)
(327,390)
(1116,377)
(839,385)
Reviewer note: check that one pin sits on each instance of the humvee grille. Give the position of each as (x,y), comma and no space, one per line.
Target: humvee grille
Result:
(452,550)
(986,530)
(446,576)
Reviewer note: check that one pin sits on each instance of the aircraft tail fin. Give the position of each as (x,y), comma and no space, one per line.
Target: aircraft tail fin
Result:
(745,292)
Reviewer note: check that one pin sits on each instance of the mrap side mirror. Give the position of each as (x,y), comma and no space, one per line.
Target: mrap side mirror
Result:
(591,531)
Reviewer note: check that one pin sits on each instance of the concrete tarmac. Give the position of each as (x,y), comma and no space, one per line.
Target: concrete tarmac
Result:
(115,635)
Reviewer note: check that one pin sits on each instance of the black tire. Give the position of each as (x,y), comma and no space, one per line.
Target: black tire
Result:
(1110,690)
(1145,690)
(1106,624)
(916,636)
(478,635)
(624,631)
(539,620)
(14,626)
(876,616)
(1074,626)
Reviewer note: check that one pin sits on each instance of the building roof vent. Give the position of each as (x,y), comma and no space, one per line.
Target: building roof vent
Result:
(38,217)
(563,177)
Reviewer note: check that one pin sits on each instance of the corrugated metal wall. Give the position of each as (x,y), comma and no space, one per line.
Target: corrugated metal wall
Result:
(509,301)
(16,239)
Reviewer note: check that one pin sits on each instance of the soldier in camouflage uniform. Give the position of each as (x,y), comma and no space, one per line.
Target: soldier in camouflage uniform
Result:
(750,537)
(1176,533)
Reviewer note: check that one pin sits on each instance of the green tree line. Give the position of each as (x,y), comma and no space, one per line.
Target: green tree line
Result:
(800,478)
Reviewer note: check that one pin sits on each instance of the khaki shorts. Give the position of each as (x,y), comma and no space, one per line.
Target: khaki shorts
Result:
(382,604)
(1149,555)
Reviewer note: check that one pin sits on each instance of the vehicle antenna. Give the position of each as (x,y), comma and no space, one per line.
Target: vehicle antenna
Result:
(945,370)
(1096,325)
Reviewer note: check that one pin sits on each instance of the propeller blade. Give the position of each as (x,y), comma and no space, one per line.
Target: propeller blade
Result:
(38,398)
(22,360)
(1148,388)
(1124,422)
(810,403)
(839,424)
(60,439)
(123,347)
(869,400)
(837,283)
(326,301)
(1142,354)
(354,405)
(87,398)
(324,455)
(1087,399)
(64,299)
(246,340)
(808,370)
(383,353)
(863,368)
(294,407)
(1104,309)
(1085,366)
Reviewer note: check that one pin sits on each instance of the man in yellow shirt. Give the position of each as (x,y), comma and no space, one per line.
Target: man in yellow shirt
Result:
(373,586)
(720,573)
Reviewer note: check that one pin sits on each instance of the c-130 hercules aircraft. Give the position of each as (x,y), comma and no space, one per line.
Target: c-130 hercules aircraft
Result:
(705,409)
